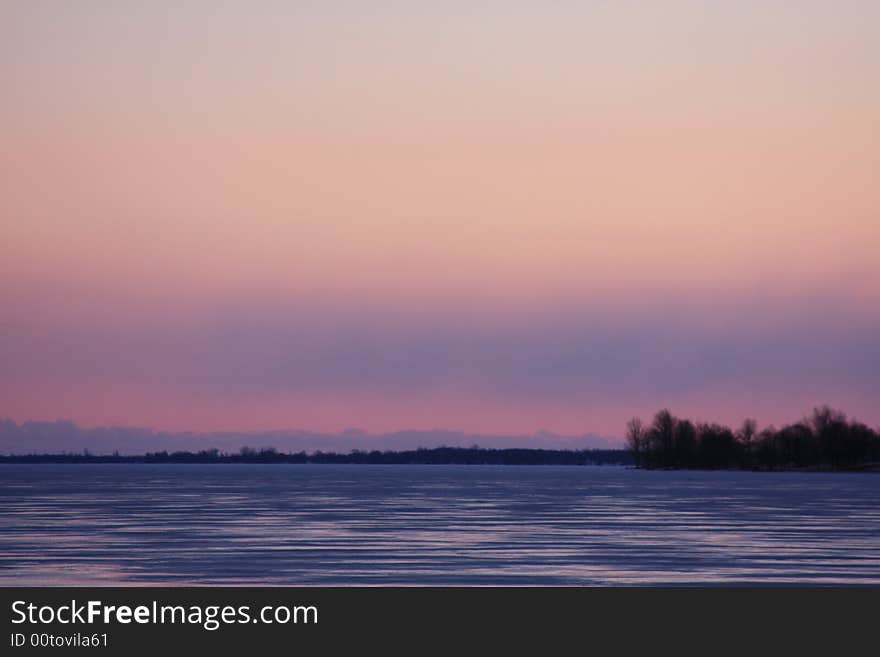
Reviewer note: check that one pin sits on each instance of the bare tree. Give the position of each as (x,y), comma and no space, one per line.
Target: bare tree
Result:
(635,439)
(746,435)
(663,436)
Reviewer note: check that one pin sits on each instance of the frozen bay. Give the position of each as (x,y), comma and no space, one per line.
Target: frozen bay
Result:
(140,524)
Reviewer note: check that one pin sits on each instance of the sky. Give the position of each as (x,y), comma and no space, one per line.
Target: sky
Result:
(483,216)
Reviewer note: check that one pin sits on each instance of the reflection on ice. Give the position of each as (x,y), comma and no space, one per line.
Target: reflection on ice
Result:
(358,524)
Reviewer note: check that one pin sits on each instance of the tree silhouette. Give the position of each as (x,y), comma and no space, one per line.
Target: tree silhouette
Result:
(746,436)
(635,439)
(661,438)
(825,440)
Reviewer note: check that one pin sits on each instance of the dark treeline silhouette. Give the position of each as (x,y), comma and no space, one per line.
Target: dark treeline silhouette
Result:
(825,440)
(438,455)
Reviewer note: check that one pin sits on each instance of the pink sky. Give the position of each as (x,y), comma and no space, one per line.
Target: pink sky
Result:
(495,217)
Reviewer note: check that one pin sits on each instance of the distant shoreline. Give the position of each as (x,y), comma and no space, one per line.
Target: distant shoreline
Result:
(424,456)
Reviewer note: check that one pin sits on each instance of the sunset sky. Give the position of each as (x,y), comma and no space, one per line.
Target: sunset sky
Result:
(489,216)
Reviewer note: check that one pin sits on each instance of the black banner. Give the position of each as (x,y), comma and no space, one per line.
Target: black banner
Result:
(284,620)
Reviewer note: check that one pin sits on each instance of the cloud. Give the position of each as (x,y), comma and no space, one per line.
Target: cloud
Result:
(581,368)
(63,436)
(561,355)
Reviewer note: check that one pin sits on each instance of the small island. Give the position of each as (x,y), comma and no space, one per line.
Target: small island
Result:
(826,440)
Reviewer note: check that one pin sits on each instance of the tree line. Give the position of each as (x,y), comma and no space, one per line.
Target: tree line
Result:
(437,455)
(826,439)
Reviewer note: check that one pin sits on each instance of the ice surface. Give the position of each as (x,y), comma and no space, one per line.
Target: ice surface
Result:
(361,524)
